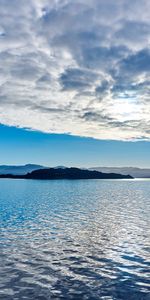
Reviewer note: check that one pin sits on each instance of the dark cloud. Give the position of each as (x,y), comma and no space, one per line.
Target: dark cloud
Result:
(103,87)
(96,117)
(76,79)
(136,63)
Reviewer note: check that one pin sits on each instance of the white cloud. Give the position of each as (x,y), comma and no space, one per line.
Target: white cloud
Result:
(78,67)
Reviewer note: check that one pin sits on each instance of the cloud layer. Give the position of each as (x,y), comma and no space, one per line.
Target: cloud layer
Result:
(80,67)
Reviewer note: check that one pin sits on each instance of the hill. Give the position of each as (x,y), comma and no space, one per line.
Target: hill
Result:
(66,173)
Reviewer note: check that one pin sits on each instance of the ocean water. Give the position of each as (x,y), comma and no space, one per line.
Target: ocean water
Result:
(82,239)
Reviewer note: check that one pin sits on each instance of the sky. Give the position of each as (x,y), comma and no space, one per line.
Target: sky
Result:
(19,146)
(76,75)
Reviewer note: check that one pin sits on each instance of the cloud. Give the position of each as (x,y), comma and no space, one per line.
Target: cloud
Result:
(76,66)
(78,79)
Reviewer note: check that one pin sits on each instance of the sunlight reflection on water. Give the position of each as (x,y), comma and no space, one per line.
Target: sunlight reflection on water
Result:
(85,239)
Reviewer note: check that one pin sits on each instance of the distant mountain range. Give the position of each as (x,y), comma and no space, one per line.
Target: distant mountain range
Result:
(28,168)
(65,173)
(19,170)
(134,172)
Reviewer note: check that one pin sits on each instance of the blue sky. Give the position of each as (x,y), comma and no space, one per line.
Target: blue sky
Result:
(75,68)
(19,146)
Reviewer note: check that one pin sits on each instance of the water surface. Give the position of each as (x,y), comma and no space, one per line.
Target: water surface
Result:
(82,239)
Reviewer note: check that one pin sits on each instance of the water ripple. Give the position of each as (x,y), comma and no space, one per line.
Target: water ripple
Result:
(74,240)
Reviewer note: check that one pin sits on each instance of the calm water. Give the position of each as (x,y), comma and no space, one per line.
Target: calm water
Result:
(84,239)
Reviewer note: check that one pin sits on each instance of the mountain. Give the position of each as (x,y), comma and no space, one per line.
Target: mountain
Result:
(66,173)
(134,172)
(28,168)
(19,170)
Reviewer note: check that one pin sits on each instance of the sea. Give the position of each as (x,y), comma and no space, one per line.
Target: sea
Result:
(74,239)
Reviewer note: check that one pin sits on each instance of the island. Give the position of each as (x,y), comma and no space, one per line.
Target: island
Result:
(66,173)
